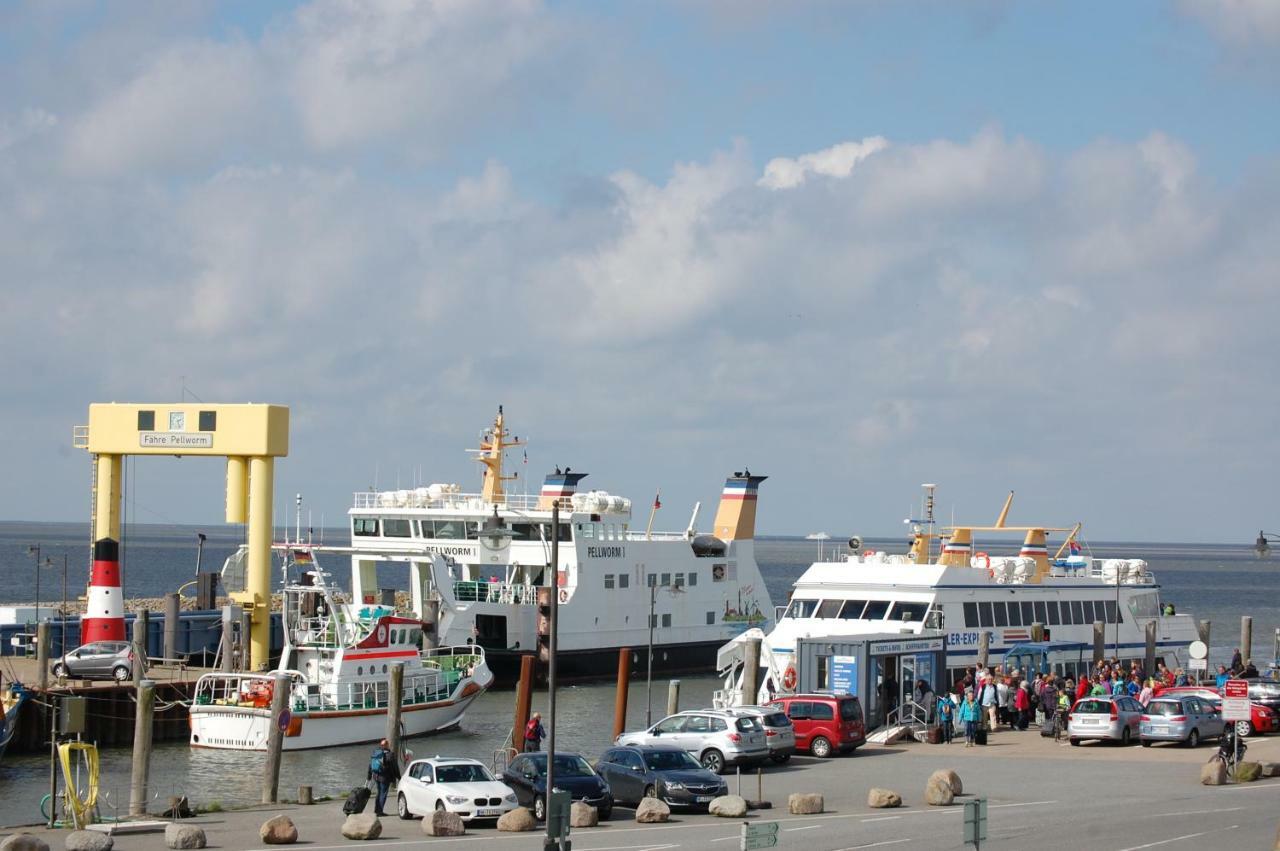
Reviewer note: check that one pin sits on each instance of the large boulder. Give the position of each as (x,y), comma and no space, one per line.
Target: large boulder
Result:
(952,779)
(518,820)
(937,793)
(728,806)
(24,842)
(804,803)
(184,836)
(442,823)
(652,811)
(88,840)
(1213,773)
(879,798)
(1270,769)
(583,815)
(279,830)
(362,826)
(1247,772)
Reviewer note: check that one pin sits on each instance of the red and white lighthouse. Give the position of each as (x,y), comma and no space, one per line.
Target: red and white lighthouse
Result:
(103,619)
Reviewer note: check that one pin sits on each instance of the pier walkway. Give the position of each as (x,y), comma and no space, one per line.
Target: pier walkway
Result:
(1041,794)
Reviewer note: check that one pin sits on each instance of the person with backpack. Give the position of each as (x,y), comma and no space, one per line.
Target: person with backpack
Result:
(946,718)
(383,770)
(970,715)
(534,733)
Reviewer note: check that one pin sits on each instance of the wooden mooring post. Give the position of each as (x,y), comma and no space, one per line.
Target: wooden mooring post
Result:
(275,739)
(673,697)
(395,700)
(142,720)
(622,691)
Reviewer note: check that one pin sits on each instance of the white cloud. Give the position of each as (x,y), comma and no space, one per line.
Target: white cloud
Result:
(1238,21)
(836,161)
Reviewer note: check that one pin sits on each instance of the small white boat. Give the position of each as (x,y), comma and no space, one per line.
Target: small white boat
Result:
(337,658)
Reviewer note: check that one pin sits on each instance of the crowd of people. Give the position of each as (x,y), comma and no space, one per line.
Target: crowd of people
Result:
(989,698)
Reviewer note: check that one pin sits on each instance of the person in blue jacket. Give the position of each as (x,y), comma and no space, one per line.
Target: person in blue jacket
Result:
(969,715)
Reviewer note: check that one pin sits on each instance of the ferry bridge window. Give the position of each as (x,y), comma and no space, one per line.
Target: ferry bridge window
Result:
(1144,605)
(1000,613)
(666,580)
(524,532)
(364,526)
(828,609)
(666,620)
(711,618)
(588,530)
(802,608)
(693,578)
(451,530)
(1028,617)
(971,614)
(984,615)
(608,580)
(624,580)
(852,609)
(1015,614)
(396,527)
(906,611)
(679,580)
(1077,611)
(876,610)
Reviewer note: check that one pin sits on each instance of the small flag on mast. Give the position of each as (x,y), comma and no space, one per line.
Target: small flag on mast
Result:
(657,500)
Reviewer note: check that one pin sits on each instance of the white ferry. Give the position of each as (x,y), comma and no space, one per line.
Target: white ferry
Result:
(476,562)
(964,593)
(337,658)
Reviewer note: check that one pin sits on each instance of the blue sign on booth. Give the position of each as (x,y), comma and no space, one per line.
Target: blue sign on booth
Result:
(844,674)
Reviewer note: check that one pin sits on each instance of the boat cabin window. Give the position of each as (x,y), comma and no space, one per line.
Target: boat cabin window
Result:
(907,611)
(1053,613)
(693,578)
(449,530)
(828,609)
(608,580)
(802,608)
(1111,611)
(876,610)
(1040,616)
(1145,605)
(1077,611)
(396,527)
(364,526)
(624,580)
(588,531)
(971,614)
(984,615)
(1000,613)
(852,610)
(1028,615)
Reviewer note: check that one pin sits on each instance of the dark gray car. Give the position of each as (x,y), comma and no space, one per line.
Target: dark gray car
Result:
(667,773)
(99,660)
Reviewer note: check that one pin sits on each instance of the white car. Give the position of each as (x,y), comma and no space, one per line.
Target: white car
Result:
(462,786)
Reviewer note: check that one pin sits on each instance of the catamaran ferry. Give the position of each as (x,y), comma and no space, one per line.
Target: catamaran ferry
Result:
(477,562)
(963,594)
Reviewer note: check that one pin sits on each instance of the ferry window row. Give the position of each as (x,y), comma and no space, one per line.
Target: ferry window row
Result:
(1047,612)
(656,580)
(867,610)
(447,530)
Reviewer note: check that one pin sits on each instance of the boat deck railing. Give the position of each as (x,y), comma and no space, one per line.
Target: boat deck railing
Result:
(419,498)
(516,594)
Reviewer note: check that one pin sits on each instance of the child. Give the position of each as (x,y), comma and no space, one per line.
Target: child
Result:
(970,714)
(946,718)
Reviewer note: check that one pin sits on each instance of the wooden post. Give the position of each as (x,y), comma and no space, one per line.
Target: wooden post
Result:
(984,649)
(1099,642)
(622,690)
(524,701)
(42,655)
(304,795)
(143,714)
(751,673)
(246,634)
(1151,648)
(1246,638)
(673,697)
(395,699)
(227,644)
(275,739)
(139,647)
(1037,632)
(172,608)
(1204,628)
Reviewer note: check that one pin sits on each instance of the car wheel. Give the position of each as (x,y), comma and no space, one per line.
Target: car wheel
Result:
(60,671)
(603,813)
(1075,743)
(402,808)
(713,761)
(120,673)
(780,758)
(1146,743)
(820,747)
(1193,738)
(650,791)
(1124,737)
(539,808)
(1244,729)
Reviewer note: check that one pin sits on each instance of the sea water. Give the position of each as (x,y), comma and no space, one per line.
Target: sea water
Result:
(1214,582)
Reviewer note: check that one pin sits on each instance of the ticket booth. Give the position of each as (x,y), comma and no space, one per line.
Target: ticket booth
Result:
(882,670)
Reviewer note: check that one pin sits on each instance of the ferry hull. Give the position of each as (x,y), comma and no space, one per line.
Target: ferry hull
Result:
(247,728)
(601,663)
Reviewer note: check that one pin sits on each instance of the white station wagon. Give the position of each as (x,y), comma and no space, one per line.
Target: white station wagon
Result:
(462,786)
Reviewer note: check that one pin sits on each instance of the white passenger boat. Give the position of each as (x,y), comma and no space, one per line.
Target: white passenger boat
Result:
(962,594)
(476,562)
(337,657)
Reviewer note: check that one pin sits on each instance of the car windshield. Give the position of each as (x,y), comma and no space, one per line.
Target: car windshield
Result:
(463,774)
(1164,707)
(1095,707)
(670,761)
(850,710)
(572,766)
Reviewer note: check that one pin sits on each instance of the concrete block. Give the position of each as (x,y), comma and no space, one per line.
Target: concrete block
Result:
(805,803)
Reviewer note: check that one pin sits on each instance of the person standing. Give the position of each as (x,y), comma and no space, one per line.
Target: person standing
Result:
(1022,705)
(990,702)
(383,770)
(534,733)
(970,716)
(946,718)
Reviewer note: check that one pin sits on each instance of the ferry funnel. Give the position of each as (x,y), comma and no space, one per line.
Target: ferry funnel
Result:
(736,517)
(559,486)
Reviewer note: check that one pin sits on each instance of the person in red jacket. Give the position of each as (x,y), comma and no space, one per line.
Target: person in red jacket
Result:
(1082,690)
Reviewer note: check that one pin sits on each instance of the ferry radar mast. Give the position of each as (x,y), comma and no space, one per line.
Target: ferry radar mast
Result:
(922,531)
(493,443)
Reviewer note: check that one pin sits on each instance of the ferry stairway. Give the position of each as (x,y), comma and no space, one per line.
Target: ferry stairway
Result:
(908,719)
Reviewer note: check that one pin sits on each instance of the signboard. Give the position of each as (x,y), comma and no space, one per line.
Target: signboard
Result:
(282,721)
(1198,650)
(1198,664)
(844,674)
(975,821)
(1236,709)
(906,645)
(924,668)
(1235,688)
(758,835)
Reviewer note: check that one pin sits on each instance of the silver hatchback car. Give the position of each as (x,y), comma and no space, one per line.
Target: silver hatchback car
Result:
(1109,718)
(717,738)
(779,732)
(99,660)
(1181,719)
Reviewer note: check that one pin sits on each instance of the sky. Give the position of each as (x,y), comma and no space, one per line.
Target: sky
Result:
(855,246)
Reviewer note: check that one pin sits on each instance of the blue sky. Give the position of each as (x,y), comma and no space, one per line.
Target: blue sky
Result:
(857,245)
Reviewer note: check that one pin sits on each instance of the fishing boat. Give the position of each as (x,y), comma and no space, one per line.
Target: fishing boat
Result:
(336,665)
(478,560)
(941,587)
(10,705)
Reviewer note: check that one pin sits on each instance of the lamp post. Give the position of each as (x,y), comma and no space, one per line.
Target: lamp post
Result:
(62,613)
(34,550)
(648,692)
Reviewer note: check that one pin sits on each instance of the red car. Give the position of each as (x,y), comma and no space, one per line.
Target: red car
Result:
(1263,719)
(824,723)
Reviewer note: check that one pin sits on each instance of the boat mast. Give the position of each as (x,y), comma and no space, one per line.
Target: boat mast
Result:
(492,445)
(922,531)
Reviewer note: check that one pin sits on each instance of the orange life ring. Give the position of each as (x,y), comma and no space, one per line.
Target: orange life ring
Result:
(986,562)
(866,553)
(789,678)
(564,596)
